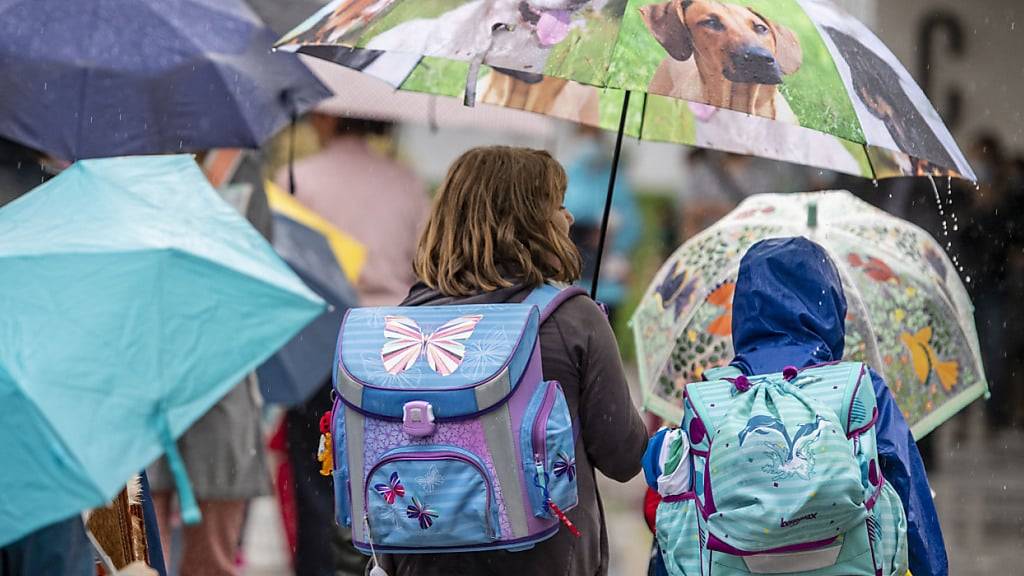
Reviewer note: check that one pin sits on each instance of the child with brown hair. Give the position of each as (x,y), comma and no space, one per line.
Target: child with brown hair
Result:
(498,230)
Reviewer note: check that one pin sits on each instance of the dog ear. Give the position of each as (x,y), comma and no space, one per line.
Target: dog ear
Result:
(788,52)
(666,27)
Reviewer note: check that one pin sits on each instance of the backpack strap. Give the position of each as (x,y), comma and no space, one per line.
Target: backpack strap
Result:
(548,297)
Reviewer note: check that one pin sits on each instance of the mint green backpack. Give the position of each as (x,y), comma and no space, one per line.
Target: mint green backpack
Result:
(785,479)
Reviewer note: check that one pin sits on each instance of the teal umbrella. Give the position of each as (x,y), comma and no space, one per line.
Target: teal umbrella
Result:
(132,298)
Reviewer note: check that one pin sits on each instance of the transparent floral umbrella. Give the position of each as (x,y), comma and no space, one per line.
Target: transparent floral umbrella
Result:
(909,315)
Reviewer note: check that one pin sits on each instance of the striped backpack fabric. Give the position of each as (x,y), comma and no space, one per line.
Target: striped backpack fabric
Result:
(444,435)
(785,479)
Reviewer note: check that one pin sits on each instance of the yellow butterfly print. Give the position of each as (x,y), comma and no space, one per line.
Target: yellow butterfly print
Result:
(925,360)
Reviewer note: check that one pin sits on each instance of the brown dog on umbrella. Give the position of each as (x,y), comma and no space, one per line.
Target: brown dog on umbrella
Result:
(725,55)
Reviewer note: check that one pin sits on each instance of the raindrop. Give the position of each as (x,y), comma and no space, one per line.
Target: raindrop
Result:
(968,279)
(875,182)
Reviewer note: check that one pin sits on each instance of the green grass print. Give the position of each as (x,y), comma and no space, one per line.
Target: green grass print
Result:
(584,56)
(816,92)
(438,76)
(404,11)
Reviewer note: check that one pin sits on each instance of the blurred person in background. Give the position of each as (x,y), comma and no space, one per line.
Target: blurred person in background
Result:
(224,455)
(362,190)
(986,222)
(585,198)
(1015,282)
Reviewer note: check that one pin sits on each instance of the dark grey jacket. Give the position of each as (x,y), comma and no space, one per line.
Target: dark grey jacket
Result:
(579,350)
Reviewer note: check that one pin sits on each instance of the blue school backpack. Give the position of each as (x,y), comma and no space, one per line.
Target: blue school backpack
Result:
(446,437)
(785,479)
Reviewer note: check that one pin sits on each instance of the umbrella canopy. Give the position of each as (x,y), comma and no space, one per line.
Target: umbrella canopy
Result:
(144,77)
(329,261)
(909,316)
(358,95)
(133,298)
(792,80)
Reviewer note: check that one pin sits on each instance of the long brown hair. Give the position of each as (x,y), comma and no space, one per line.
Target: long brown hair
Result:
(492,225)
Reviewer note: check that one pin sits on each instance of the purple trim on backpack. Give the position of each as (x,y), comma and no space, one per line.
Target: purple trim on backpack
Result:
(690,495)
(559,299)
(714,543)
(517,406)
(853,398)
(364,547)
(870,503)
(709,497)
(871,424)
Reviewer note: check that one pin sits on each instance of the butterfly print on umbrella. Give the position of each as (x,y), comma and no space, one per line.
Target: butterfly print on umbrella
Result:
(392,490)
(565,466)
(405,343)
(420,511)
(677,287)
(926,361)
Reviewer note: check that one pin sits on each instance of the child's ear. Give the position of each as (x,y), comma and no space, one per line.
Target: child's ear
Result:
(664,22)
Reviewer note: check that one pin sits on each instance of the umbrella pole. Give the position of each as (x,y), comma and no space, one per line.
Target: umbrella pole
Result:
(291,151)
(611,192)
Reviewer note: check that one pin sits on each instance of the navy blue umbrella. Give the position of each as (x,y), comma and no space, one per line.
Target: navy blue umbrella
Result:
(117,77)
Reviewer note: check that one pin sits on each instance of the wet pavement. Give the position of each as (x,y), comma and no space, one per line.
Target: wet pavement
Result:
(978,478)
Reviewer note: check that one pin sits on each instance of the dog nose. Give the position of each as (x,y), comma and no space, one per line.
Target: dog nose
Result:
(754,64)
(753,56)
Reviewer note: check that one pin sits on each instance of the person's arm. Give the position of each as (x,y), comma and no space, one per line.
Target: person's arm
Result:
(613,433)
(902,467)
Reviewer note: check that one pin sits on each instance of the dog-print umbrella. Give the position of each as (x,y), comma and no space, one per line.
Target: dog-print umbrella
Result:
(120,77)
(133,298)
(909,316)
(792,80)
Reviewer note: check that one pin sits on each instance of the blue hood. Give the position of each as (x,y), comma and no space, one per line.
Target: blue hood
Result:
(788,309)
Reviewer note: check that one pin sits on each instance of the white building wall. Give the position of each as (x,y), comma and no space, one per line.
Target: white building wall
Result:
(991,71)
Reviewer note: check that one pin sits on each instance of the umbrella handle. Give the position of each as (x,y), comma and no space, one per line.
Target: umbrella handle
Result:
(186,498)
(608,199)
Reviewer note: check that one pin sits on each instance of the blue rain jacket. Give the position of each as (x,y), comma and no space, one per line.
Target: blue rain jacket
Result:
(789,310)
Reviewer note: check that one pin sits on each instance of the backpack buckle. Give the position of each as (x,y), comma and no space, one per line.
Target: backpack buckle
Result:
(418,418)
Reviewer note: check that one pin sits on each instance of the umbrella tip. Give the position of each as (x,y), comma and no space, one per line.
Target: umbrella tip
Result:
(812,215)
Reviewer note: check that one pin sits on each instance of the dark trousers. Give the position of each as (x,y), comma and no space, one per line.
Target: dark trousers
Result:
(60,549)
(322,547)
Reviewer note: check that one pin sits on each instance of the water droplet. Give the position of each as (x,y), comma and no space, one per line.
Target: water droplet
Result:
(968,279)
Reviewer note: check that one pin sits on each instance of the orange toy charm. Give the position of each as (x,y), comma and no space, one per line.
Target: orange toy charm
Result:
(325,452)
